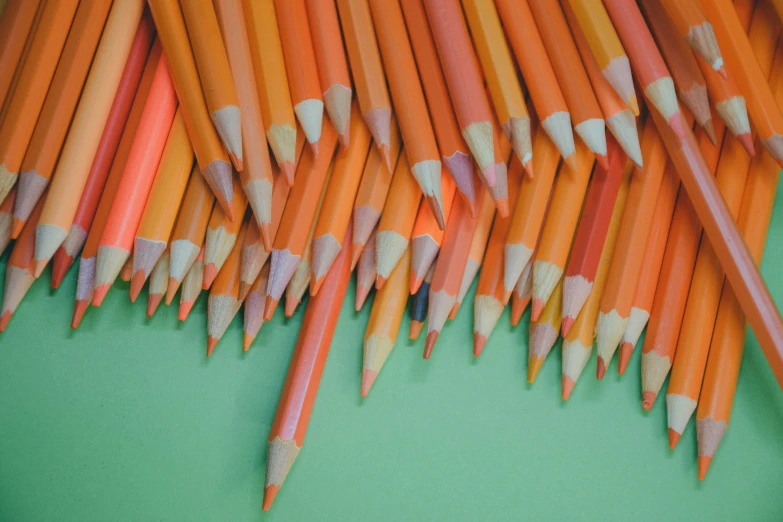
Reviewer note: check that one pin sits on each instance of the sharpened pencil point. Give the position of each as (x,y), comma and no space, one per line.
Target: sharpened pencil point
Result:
(99,294)
(572,163)
(211,343)
(675,122)
(534,364)
(502,206)
(429,344)
(210,273)
(674,438)
(60,267)
(184,309)
(633,104)
(386,153)
(315,284)
(270,492)
(529,169)
(356,253)
(746,140)
(4,319)
(478,343)
(568,387)
(568,322)
(171,290)
(40,264)
(291,303)
(709,130)
(362,291)
(244,289)
(704,465)
(368,378)
(603,161)
(416,281)
(379,281)
(626,350)
(648,399)
(79,307)
(538,307)
(137,283)
(153,303)
(721,69)
(288,172)
(16,227)
(415,330)
(270,305)
(600,369)
(247,341)
(266,236)
(453,312)
(437,211)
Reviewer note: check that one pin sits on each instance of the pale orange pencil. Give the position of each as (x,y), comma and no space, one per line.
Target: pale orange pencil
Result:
(256,176)
(301,67)
(372,193)
(544,331)
(221,236)
(26,102)
(16,24)
(454,152)
(210,154)
(693,27)
(86,129)
(159,279)
(272,82)
(427,236)
(215,74)
(253,317)
(191,286)
(160,211)
(367,72)
(334,79)
(396,225)
(558,232)
(335,214)
(464,79)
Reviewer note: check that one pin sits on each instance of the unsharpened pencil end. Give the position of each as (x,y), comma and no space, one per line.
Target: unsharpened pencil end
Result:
(270,492)
(16,227)
(568,387)
(247,341)
(99,294)
(479,341)
(453,311)
(210,273)
(568,322)
(704,465)
(368,378)
(626,350)
(4,319)
(538,307)
(674,438)
(379,281)
(270,305)
(746,140)
(415,330)
(79,307)
(137,283)
(600,369)
(211,343)
(153,303)
(171,290)
(648,399)
(429,344)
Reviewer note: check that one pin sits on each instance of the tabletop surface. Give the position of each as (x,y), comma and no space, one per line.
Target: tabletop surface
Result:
(126,420)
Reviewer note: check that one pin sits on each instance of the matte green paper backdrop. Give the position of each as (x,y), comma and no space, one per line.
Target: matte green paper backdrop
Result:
(126,420)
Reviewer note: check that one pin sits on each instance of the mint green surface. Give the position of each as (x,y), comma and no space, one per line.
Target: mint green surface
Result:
(126,420)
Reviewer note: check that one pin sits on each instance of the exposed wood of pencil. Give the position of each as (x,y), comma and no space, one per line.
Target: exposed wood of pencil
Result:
(221,236)
(304,374)
(6,216)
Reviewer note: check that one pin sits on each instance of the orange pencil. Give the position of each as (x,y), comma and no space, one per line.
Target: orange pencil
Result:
(6,216)
(631,239)
(419,304)
(298,216)
(19,269)
(688,79)
(570,73)
(490,297)
(505,91)
(412,115)
(606,47)
(543,332)
(301,67)
(273,92)
(86,277)
(84,135)
(578,343)
(335,212)
(693,27)
(334,79)
(463,77)
(143,159)
(620,120)
(256,176)
(159,279)
(499,191)
(559,228)
(26,102)
(253,317)
(221,236)
(15,26)
(646,61)
(367,72)
(448,270)
(396,225)
(366,272)
(15,74)
(427,236)
(372,193)
(304,374)
(162,206)
(537,71)
(107,150)
(384,323)
(210,154)
(528,217)
(223,303)
(57,111)
(126,272)
(191,286)
(454,152)
(215,74)
(522,293)
(671,293)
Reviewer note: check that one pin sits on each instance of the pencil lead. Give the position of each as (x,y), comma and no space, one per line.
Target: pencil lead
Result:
(626,350)
(137,283)
(453,312)
(517,309)
(572,162)
(266,235)
(746,140)
(4,319)
(648,399)
(58,273)
(356,253)
(379,281)
(362,291)
(502,206)
(287,168)
(40,264)
(368,378)
(270,492)
(153,303)
(568,322)
(478,343)
(718,66)
(675,122)
(291,303)
(269,307)
(568,386)
(211,343)
(184,309)
(429,344)
(99,294)
(210,273)
(244,289)
(534,364)
(704,465)
(171,290)
(437,210)
(416,281)
(600,370)
(16,227)
(538,307)
(633,104)
(674,438)
(415,330)
(79,307)
(528,165)
(709,130)
(315,284)
(247,340)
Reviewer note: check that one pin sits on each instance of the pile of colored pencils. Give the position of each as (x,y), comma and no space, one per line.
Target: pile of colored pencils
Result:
(106,104)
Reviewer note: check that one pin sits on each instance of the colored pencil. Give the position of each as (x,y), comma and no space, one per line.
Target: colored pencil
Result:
(693,27)
(543,332)
(15,26)
(6,217)
(221,236)
(366,272)
(427,236)
(253,318)
(191,286)
(419,303)
(522,293)
(159,279)
(15,75)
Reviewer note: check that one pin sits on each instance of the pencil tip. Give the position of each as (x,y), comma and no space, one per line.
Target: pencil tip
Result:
(362,291)
(529,169)
(720,68)
(315,284)
(568,322)
(416,327)
(4,319)
(675,122)
(502,206)
(534,364)
(704,465)
(356,253)
(572,162)
(247,340)
(478,343)
(266,235)
(270,492)
(184,309)
(152,303)
(415,283)
(453,311)
(16,227)
(40,264)
(210,273)
(429,344)
(368,378)
(386,153)
(626,350)
(137,283)
(291,303)
(746,140)
(674,438)
(287,168)
(648,399)
(244,289)
(79,307)
(538,307)
(602,160)
(211,343)
(709,130)
(437,211)
(568,386)
(600,370)
(633,104)
(99,294)
(60,267)
(269,307)
(171,290)
(379,281)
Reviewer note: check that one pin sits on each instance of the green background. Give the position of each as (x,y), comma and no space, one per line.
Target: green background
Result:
(126,420)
